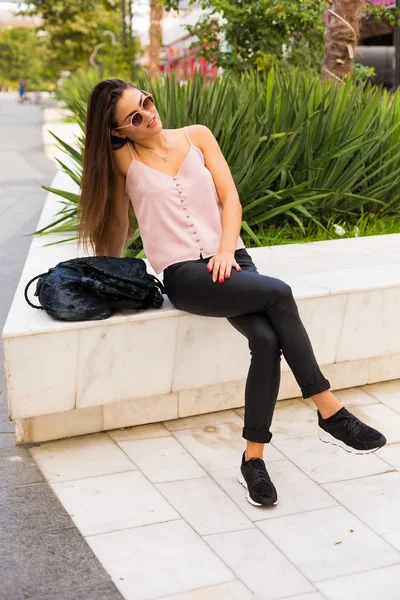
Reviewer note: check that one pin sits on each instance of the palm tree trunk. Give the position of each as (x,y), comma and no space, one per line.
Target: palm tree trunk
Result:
(341,38)
(155,34)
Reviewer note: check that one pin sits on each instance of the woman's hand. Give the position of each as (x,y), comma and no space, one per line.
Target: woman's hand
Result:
(221,266)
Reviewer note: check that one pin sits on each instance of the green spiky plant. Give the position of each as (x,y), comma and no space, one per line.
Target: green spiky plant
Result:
(300,152)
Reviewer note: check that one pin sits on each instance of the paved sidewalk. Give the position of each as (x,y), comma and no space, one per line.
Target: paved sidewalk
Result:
(162,509)
(42,554)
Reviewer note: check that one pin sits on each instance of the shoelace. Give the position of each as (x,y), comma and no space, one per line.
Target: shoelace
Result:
(354,425)
(260,476)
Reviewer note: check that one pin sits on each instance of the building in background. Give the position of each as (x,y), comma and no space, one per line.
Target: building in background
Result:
(184,61)
(376,46)
(176,54)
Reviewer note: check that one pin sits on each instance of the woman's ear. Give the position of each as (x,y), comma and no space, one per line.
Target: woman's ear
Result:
(118,134)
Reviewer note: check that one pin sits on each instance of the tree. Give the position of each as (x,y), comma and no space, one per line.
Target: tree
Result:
(257,33)
(23,53)
(155,34)
(341,38)
(74,28)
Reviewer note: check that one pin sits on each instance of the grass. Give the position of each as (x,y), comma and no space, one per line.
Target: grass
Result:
(291,233)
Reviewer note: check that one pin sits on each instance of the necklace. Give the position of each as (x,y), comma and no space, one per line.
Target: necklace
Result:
(164,158)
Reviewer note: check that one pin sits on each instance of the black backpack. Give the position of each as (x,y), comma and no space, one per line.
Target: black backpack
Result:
(89,288)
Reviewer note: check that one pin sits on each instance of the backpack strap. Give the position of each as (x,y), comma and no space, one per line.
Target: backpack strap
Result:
(26,291)
(158,283)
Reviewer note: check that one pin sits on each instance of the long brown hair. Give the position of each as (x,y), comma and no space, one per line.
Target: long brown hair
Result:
(97,177)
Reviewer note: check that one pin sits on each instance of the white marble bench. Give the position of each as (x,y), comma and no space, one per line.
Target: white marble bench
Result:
(66,379)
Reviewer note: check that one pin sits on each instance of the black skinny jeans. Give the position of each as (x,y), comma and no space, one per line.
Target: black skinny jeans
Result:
(263,310)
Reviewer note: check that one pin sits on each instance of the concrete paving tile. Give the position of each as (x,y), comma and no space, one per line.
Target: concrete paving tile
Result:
(203,504)
(31,508)
(47,563)
(220,446)
(387,392)
(259,564)
(393,539)
(325,463)
(162,459)
(112,502)
(391,455)
(157,560)
(375,500)
(380,583)
(234,590)
(380,417)
(17,467)
(329,543)
(81,457)
(292,419)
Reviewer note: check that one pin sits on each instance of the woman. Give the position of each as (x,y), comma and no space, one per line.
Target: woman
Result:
(189,215)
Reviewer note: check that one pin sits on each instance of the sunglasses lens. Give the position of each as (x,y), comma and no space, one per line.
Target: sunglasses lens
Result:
(148,103)
(137,120)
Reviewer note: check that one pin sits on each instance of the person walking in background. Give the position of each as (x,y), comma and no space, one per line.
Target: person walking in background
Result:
(21,90)
(189,216)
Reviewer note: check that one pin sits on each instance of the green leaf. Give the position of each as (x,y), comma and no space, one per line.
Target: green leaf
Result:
(251,233)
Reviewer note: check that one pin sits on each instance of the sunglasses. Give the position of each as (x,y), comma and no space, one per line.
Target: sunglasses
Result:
(137,117)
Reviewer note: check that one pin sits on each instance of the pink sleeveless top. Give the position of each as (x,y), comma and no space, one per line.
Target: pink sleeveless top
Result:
(179,217)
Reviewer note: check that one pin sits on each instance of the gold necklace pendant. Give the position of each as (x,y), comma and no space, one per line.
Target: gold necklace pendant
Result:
(164,158)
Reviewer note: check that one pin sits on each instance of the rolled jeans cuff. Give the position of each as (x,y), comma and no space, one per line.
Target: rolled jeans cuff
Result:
(261,436)
(316,388)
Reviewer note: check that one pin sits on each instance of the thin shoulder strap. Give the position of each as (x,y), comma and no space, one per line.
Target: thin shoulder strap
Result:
(187,135)
(130,150)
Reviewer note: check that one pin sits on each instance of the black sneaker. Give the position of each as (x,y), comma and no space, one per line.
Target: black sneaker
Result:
(254,477)
(346,431)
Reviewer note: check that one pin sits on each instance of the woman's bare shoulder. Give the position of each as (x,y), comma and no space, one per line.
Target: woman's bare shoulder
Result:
(200,135)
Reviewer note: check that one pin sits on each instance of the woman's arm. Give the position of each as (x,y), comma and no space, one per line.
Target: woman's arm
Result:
(222,263)
(119,217)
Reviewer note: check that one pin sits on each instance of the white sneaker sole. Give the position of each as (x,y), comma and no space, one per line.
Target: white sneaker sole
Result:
(327,438)
(242,480)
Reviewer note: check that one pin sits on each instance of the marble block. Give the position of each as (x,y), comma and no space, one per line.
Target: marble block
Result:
(41,373)
(371,325)
(140,411)
(208,351)
(59,425)
(126,361)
